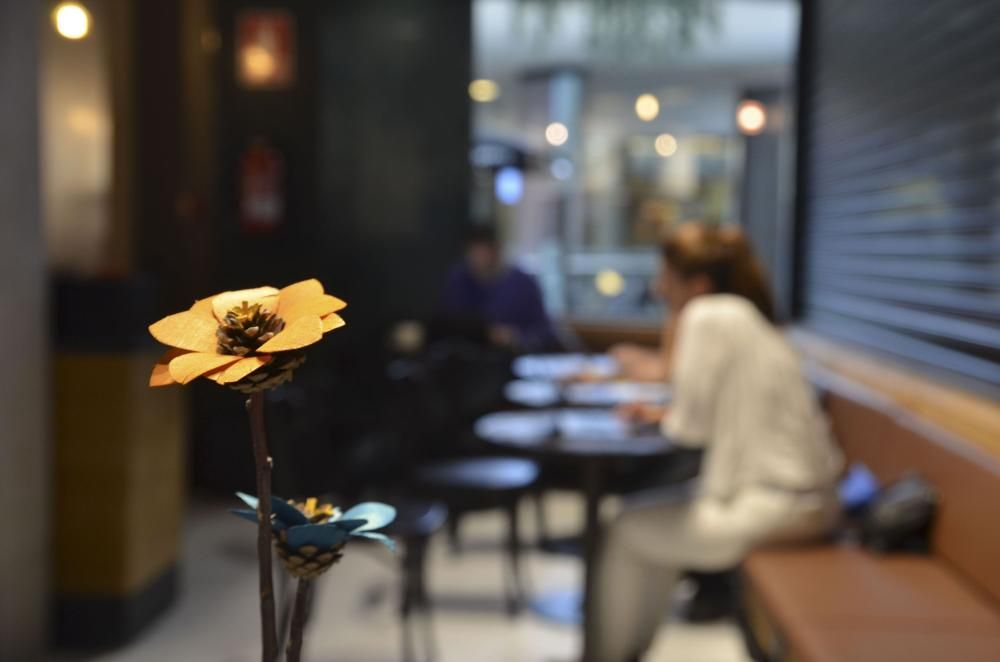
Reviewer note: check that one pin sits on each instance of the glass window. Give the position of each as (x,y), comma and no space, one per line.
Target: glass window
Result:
(597,126)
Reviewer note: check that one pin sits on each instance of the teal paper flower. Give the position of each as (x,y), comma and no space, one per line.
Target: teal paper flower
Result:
(310,537)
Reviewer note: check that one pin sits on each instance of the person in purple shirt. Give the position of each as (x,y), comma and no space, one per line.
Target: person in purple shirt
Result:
(507,300)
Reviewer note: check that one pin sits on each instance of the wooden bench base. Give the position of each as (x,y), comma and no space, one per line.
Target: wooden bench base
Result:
(845,604)
(842,603)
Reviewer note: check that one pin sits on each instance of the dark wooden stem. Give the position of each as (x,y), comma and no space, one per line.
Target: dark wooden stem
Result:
(300,614)
(269,637)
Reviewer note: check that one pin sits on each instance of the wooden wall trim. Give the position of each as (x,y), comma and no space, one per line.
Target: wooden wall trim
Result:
(970,416)
(599,336)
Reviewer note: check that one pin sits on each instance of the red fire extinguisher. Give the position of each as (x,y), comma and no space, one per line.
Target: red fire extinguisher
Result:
(261,188)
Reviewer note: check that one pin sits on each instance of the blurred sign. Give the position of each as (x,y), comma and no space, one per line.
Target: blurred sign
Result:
(262,188)
(265,49)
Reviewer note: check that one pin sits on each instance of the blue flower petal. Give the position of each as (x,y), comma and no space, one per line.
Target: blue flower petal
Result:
(349,524)
(323,536)
(381,537)
(376,514)
(249,515)
(287,513)
(248,500)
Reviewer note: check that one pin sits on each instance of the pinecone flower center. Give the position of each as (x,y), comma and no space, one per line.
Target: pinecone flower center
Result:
(245,328)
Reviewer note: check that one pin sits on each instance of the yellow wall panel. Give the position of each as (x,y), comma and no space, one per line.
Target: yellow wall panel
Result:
(120,479)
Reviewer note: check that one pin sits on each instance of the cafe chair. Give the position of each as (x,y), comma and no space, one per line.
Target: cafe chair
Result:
(484,483)
(416,522)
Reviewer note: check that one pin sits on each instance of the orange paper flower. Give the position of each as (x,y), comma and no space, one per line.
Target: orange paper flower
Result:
(248,339)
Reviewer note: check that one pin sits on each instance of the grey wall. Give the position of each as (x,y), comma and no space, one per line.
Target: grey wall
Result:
(23,336)
(762,209)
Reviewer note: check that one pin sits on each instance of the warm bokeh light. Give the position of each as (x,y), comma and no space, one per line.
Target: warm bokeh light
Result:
(609,282)
(72,20)
(257,63)
(484,90)
(84,121)
(647,107)
(751,117)
(556,134)
(665,145)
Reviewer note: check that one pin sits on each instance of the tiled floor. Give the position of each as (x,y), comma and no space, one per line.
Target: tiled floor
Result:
(355,618)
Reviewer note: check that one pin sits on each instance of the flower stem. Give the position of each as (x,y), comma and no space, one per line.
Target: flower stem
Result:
(269,637)
(300,614)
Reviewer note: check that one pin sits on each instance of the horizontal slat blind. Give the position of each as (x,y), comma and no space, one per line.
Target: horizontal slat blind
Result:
(901,213)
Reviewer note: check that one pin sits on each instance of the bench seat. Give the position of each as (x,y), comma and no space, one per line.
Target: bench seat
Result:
(839,603)
(842,603)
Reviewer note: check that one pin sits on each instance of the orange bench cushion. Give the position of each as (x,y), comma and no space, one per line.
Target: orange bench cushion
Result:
(967,479)
(844,604)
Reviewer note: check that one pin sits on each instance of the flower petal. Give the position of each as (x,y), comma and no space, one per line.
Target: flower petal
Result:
(321,305)
(338,303)
(248,499)
(188,367)
(161,371)
(203,307)
(249,515)
(240,369)
(323,536)
(381,537)
(332,321)
(300,333)
(267,297)
(377,515)
(287,513)
(187,330)
(349,524)
(290,296)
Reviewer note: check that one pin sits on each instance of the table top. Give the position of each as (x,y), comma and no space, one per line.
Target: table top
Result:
(561,367)
(495,474)
(546,393)
(537,393)
(571,432)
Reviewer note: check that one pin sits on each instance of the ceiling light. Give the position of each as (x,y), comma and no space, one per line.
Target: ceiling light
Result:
(71,20)
(647,107)
(751,117)
(556,134)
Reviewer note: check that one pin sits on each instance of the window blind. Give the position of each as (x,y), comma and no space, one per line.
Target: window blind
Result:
(900,180)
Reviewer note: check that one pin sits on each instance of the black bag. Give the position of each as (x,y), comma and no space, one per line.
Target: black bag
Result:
(900,518)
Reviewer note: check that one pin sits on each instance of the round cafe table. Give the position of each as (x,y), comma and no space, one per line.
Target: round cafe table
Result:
(562,367)
(545,393)
(590,438)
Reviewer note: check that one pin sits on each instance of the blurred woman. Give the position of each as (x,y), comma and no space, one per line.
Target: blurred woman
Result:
(770,465)
(648,364)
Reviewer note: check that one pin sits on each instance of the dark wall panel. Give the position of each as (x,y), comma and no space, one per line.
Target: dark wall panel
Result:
(374,133)
(901,214)
(285,119)
(393,150)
